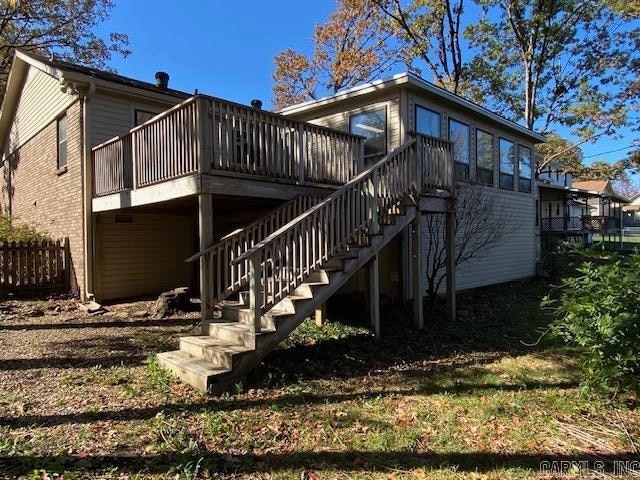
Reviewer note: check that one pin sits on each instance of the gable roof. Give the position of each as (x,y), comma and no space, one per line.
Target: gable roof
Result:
(413,80)
(600,186)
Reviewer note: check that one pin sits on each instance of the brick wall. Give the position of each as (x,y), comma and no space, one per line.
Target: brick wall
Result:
(34,191)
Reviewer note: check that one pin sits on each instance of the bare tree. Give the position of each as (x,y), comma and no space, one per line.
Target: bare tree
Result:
(480,224)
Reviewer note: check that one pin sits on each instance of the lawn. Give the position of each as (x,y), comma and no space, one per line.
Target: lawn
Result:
(82,397)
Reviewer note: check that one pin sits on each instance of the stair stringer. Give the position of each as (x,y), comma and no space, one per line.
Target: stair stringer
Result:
(267,341)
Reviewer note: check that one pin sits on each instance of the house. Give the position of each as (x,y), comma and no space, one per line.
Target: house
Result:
(632,212)
(265,215)
(575,211)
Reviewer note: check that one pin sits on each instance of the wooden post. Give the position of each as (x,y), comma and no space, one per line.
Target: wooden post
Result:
(255,293)
(450,240)
(204,129)
(416,272)
(67,264)
(302,140)
(406,262)
(373,202)
(205,227)
(374,295)
(321,315)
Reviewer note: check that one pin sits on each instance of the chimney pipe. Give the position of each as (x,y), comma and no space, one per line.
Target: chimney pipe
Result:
(162,80)
(256,103)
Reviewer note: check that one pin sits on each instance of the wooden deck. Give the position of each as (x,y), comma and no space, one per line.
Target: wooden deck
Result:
(208,145)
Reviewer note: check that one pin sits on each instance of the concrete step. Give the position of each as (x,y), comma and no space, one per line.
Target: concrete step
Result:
(219,353)
(194,371)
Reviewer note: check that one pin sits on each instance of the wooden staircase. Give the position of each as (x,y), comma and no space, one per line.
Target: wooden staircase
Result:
(283,267)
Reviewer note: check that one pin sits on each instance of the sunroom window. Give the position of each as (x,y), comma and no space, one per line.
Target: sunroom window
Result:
(484,157)
(372,125)
(507,164)
(524,168)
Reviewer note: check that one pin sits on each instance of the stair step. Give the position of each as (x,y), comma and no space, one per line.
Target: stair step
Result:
(194,371)
(234,332)
(219,353)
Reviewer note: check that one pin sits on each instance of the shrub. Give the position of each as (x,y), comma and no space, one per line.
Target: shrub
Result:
(599,310)
(13,230)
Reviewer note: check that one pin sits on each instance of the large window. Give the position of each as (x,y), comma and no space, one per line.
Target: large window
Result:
(459,135)
(373,126)
(507,164)
(428,122)
(484,157)
(62,142)
(524,168)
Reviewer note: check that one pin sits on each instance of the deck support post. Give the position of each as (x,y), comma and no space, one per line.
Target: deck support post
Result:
(416,272)
(450,245)
(321,315)
(205,230)
(374,295)
(255,293)
(372,187)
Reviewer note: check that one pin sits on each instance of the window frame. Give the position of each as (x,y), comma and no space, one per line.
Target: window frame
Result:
(528,186)
(415,116)
(480,169)
(462,168)
(386,128)
(62,120)
(503,174)
(141,110)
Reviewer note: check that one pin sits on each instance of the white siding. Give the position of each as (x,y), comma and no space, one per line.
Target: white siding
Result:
(146,256)
(40,103)
(513,257)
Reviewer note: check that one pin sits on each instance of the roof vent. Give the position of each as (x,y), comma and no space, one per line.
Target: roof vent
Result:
(256,103)
(162,80)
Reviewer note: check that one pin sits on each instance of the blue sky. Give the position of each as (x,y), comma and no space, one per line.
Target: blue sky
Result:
(226,48)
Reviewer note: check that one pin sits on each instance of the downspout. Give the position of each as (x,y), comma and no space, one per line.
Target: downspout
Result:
(88,193)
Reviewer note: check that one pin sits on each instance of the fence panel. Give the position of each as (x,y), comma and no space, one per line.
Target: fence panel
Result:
(34,266)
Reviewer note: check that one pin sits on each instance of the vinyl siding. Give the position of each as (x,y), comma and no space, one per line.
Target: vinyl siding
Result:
(112,116)
(40,103)
(512,258)
(145,257)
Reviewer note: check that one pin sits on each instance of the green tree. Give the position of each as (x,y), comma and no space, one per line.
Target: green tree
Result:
(64,28)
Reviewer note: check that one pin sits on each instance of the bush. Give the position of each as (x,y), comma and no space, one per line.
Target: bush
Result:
(12,230)
(599,310)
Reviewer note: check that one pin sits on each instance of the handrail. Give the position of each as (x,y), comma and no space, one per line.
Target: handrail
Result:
(229,276)
(323,203)
(286,258)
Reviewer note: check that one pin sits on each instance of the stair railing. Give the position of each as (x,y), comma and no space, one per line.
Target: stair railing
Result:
(290,255)
(230,277)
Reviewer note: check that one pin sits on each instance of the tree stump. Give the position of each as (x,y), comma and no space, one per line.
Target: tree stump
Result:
(176,300)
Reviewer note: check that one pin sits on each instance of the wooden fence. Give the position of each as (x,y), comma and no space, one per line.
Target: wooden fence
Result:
(30,267)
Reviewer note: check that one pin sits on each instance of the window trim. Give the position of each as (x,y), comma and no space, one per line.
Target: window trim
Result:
(500,171)
(62,168)
(493,159)
(386,127)
(529,189)
(415,120)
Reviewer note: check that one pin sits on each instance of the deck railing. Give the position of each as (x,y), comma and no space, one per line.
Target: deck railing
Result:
(287,258)
(206,135)
(229,277)
(435,157)
(583,224)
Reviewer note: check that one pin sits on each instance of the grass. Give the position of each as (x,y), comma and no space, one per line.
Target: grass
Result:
(469,400)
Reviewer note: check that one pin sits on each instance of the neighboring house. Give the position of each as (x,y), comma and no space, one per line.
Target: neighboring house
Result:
(272,214)
(575,211)
(632,212)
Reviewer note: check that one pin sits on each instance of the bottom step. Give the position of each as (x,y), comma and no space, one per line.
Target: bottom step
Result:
(197,372)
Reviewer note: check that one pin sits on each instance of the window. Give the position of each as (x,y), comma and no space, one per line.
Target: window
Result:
(524,169)
(507,163)
(62,142)
(142,116)
(459,134)
(373,126)
(484,157)
(428,122)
